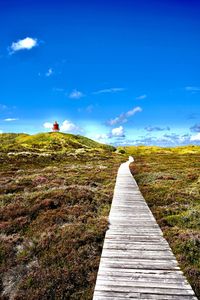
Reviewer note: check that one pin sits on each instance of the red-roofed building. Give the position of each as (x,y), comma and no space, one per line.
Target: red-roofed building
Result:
(55,127)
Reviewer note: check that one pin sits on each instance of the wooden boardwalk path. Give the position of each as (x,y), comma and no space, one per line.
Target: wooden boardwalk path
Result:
(137,262)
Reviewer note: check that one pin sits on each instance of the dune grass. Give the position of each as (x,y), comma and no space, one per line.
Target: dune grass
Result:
(50,141)
(169,179)
(53,217)
(54,204)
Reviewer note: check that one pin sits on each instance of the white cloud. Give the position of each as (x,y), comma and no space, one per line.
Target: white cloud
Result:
(192,88)
(11,119)
(176,139)
(75,94)
(1,131)
(49,72)
(48,125)
(110,90)
(164,140)
(24,44)
(124,116)
(117,132)
(69,126)
(141,97)
(156,128)
(133,111)
(195,138)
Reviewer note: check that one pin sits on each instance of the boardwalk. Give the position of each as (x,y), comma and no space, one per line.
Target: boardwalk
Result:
(137,262)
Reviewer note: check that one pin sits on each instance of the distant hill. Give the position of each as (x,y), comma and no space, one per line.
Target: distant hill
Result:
(48,142)
(148,150)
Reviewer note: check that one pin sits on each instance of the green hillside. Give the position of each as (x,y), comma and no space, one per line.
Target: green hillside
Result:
(52,141)
(156,150)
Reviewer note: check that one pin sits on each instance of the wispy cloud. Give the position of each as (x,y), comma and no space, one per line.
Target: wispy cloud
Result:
(195,128)
(89,108)
(109,90)
(75,94)
(101,137)
(123,118)
(11,119)
(58,89)
(115,133)
(141,97)
(49,72)
(118,137)
(192,88)
(195,138)
(23,44)
(172,139)
(3,107)
(156,128)
(192,116)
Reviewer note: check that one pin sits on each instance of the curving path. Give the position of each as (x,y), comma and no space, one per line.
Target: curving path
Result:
(137,262)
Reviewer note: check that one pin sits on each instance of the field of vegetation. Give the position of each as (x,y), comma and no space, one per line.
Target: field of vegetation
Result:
(55,195)
(169,179)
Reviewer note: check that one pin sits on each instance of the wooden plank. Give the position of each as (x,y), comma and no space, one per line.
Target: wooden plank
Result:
(132,239)
(133,246)
(133,254)
(143,281)
(144,284)
(145,272)
(123,224)
(136,261)
(164,265)
(134,231)
(120,295)
(142,277)
(145,290)
(154,297)
(134,221)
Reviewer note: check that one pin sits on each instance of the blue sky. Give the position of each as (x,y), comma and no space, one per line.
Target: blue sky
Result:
(121,72)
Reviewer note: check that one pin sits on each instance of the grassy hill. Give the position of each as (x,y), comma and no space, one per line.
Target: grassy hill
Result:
(46,148)
(52,141)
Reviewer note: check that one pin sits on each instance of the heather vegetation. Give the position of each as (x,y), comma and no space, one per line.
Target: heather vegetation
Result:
(55,195)
(169,179)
